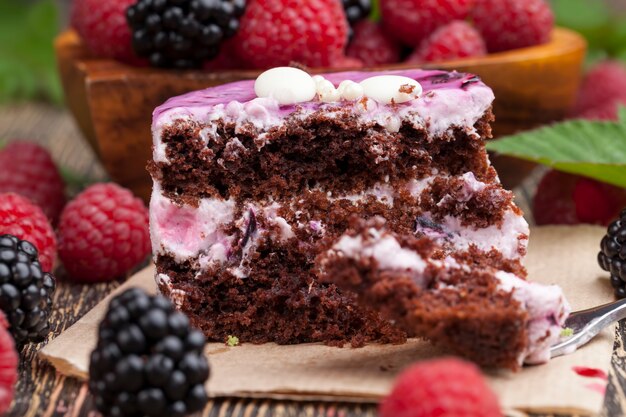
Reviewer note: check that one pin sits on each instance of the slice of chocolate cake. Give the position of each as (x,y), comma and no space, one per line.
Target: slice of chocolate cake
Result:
(469,300)
(256,183)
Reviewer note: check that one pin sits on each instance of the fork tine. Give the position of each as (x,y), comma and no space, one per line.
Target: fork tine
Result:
(586,324)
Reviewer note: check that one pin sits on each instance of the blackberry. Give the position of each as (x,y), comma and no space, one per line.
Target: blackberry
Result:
(148,362)
(356,10)
(182,33)
(612,257)
(25,290)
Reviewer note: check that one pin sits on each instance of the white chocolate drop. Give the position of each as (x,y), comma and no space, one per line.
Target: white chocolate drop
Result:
(326,91)
(318,79)
(389,89)
(350,91)
(286,85)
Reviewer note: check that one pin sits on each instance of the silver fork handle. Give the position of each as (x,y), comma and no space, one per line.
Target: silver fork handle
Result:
(587,324)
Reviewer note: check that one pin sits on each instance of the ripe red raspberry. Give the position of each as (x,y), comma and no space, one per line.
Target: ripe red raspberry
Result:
(601,92)
(278,32)
(412,21)
(373,46)
(346,62)
(8,365)
(455,40)
(226,59)
(103,233)
(608,111)
(28,169)
(511,24)
(441,388)
(103,28)
(563,198)
(21,218)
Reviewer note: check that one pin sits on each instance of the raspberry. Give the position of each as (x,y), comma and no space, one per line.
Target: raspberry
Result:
(21,218)
(148,361)
(183,33)
(102,26)
(608,111)
(612,256)
(346,62)
(412,21)
(441,388)
(8,366)
(103,233)
(226,59)
(28,170)
(602,89)
(511,24)
(26,292)
(455,40)
(279,32)
(570,199)
(372,46)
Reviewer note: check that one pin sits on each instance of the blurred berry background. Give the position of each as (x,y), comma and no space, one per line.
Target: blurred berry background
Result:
(27,28)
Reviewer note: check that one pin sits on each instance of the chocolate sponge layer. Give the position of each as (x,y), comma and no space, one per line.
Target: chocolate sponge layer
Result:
(302,166)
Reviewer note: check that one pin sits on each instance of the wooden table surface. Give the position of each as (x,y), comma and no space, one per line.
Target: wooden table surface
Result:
(41,391)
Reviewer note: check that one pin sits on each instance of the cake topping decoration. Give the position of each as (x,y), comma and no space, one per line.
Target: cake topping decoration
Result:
(289,85)
(349,90)
(326,90)
(286,85)
(389,89)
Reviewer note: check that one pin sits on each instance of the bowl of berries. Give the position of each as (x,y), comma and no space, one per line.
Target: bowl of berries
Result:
(122,58)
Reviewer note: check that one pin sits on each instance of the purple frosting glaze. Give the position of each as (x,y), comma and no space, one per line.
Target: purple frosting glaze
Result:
(243,91)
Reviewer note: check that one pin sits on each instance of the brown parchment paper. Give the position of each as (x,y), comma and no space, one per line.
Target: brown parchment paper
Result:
(561,255)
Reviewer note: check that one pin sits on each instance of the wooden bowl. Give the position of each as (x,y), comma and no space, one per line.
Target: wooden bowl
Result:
(113,102)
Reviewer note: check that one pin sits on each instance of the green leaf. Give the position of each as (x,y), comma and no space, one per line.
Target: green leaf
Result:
(581,15)
(375,14)
(617,40)
(591,18)
(74,180)
(621,55)
(28,66)
(594,149)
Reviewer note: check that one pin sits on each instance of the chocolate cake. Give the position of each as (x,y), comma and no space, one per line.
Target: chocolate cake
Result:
(349,207)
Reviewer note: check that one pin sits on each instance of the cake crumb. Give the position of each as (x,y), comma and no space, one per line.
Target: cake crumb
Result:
(406,88)
(232,341)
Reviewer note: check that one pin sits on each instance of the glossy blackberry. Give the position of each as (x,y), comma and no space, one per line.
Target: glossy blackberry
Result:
(148,362)
(182,33)
(25,290)
(612,256)
(356,10)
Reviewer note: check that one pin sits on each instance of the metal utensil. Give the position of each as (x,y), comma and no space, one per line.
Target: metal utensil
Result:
(586,324)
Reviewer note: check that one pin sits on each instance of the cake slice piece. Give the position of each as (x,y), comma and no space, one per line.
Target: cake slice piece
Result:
(471,301)
(254,180)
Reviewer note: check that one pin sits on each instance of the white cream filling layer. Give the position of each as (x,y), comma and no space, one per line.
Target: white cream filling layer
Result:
(510,238)
(386,250)
(184,231)
(187,232)
(438,112)
(547,309)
